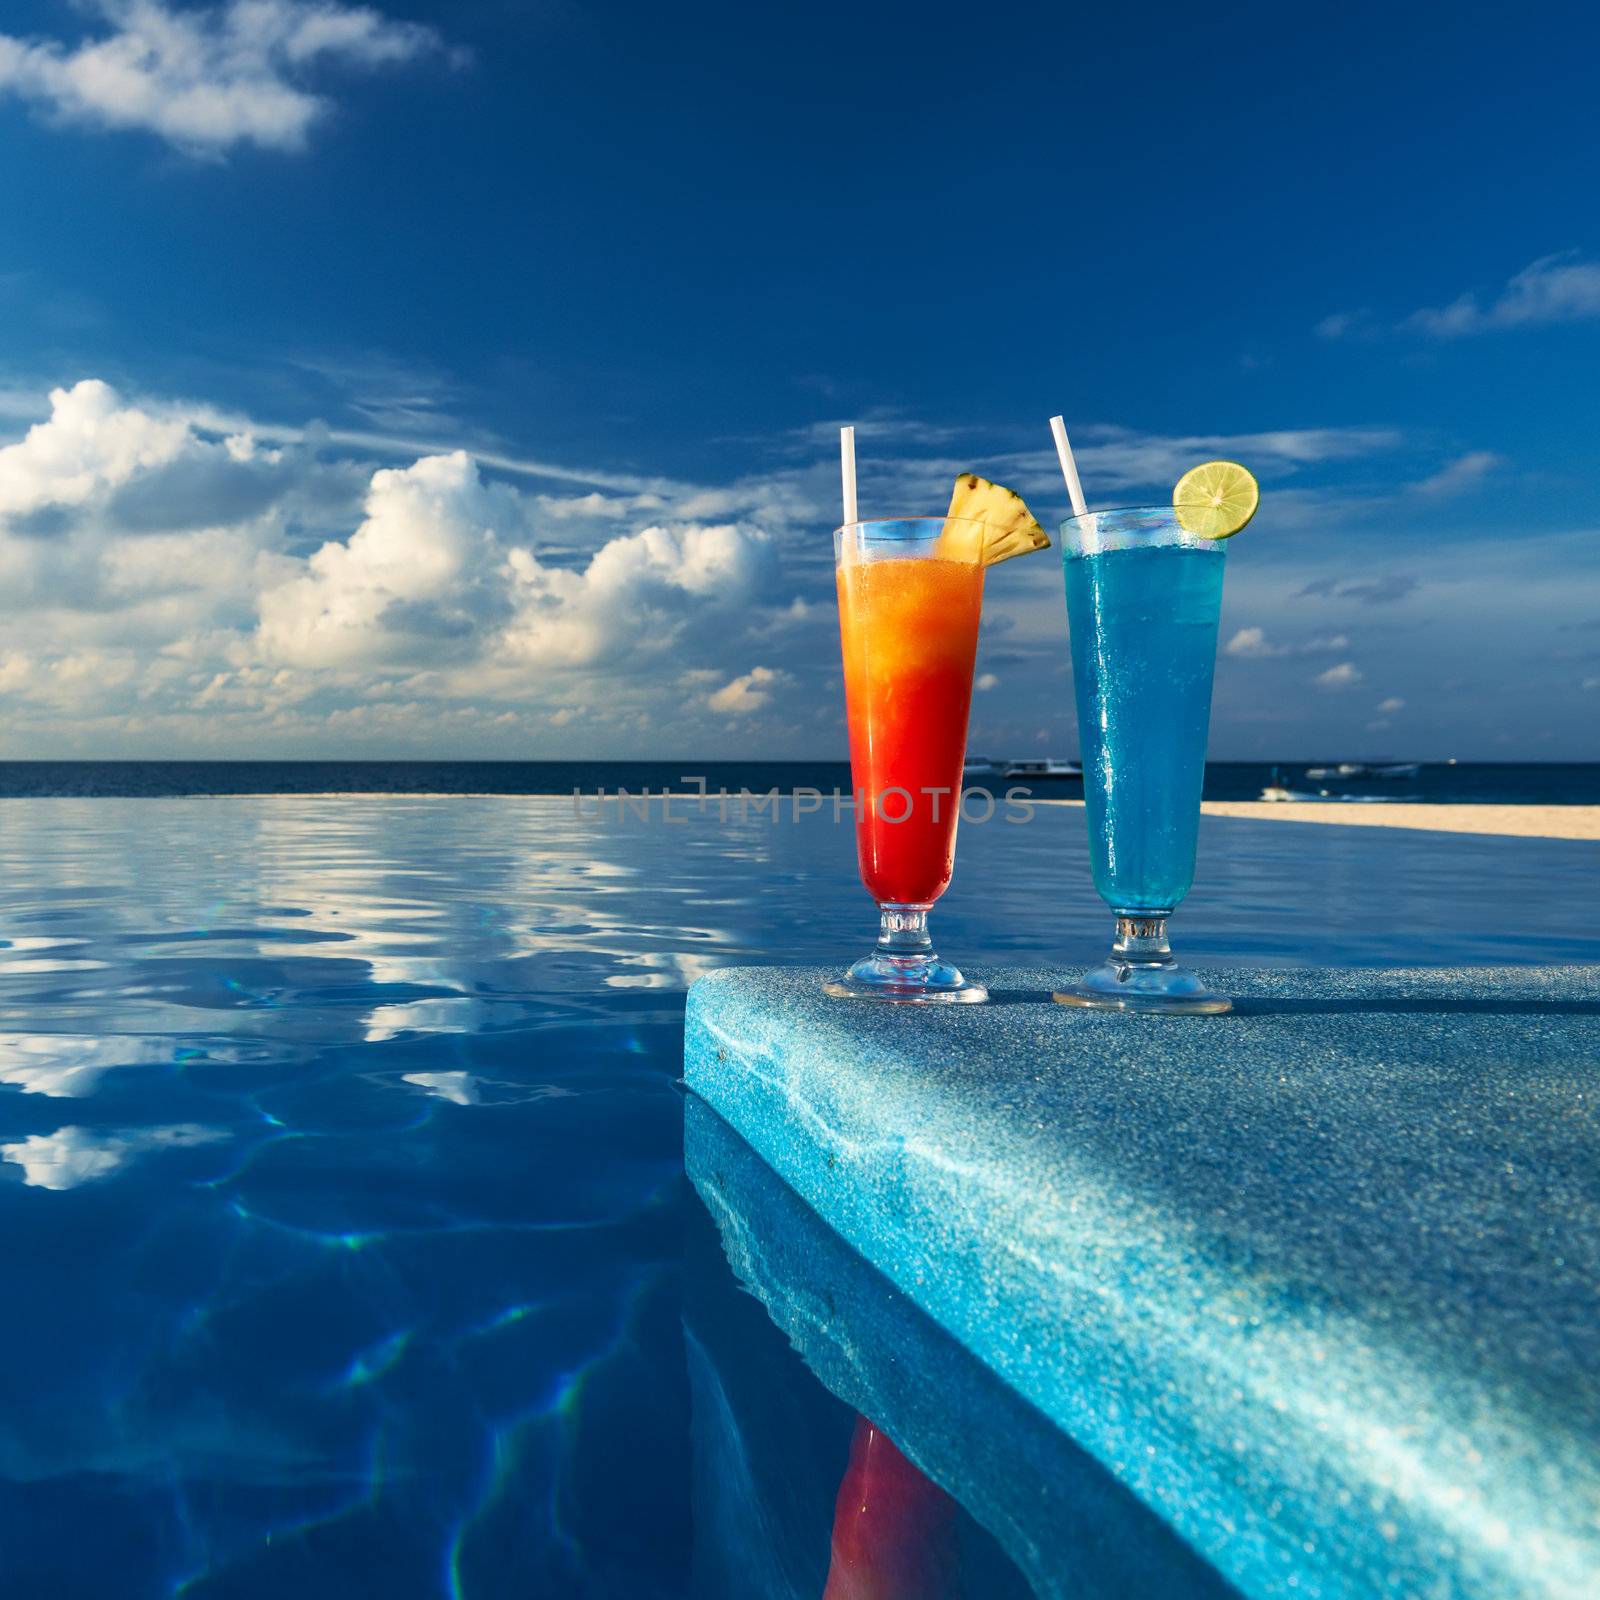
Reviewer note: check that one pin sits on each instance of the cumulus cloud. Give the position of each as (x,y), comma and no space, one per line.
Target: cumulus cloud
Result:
(636,595)
(1344,676)
(1393,704)
(443,572)
(1553,289)
(748,693)
(207,79)
(91,442)
(133,519)
(179,580)
(414,582)
(162,568)
(986,681)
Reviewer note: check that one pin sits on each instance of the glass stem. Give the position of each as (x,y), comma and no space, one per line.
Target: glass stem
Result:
(1141,943)
(903,932)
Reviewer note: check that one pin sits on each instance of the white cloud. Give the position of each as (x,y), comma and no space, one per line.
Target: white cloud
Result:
(90,443)
(1393,704)
(409,584)
(1342,323)
(1120,457)
(1555,288)
(131,519)
(73,1156)
(210,78)
(586,507)
(1344,676)
(1465,472)
(178,580)
(748,693)
(160,568)
(1253,644)
(636,595)
(1385,588)
(986,681)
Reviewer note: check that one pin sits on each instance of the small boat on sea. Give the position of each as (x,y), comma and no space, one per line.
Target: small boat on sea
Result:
(1361,769)
(1045,771)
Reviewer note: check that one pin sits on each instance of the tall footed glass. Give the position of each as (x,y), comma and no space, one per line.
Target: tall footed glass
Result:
(1144,598)
(910,595)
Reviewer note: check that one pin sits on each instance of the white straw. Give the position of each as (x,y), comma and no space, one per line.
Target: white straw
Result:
(1069,468)
(847,468)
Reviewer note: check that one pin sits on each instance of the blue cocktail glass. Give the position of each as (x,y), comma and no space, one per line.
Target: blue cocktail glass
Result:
(1144,598)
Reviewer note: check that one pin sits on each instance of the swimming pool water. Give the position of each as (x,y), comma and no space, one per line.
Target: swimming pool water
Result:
(341,1172)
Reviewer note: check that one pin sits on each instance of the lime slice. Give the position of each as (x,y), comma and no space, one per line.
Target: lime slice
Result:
(1215,500)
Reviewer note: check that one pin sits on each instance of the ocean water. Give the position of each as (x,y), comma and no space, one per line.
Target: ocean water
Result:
(1507,783)
(349,1249)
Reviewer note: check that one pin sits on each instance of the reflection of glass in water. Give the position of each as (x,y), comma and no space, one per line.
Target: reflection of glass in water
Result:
(1004,1503)
(894,1533)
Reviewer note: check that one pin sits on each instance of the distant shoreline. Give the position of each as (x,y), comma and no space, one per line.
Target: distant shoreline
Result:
(1572,822)
(1562,784)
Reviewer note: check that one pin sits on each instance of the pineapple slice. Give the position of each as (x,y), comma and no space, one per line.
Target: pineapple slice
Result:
(988,523)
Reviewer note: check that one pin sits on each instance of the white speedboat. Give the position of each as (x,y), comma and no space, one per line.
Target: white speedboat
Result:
(1361,769)
(1044,771)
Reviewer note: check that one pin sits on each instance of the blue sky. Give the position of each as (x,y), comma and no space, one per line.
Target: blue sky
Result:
(464,380)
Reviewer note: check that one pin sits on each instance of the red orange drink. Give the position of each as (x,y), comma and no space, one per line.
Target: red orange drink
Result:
(910,593)
(910,633)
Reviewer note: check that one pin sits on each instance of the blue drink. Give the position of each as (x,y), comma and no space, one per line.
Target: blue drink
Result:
(1144,642)
(1143,602)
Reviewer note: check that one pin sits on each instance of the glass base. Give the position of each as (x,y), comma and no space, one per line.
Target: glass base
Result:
(904,969)
(1142,976)
(916,983)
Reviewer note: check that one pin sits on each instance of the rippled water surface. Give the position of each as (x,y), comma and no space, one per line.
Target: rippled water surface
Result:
(342,1163)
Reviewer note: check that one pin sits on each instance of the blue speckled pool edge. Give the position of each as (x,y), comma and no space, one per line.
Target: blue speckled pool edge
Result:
(1335,1431)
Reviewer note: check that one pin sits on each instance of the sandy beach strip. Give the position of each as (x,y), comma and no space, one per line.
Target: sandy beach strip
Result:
(1522,822)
